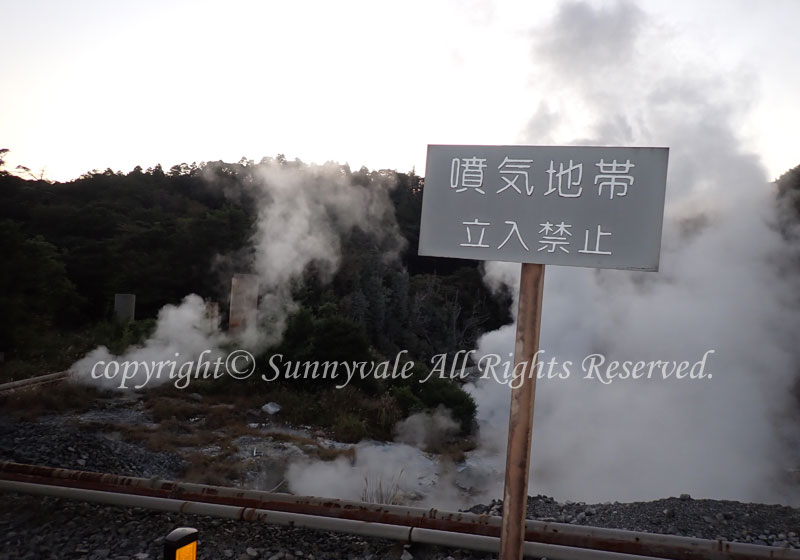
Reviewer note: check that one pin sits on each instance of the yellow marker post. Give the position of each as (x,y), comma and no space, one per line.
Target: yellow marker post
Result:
(181,544)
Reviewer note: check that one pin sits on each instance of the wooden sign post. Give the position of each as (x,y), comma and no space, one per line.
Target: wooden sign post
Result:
(586,206)
(520,422)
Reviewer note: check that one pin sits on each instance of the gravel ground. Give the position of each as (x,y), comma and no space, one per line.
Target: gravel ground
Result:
(706,519)
(35,527)
(55,442)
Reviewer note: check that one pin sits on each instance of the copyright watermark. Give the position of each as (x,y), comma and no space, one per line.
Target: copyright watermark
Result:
(241,364)
(137,374)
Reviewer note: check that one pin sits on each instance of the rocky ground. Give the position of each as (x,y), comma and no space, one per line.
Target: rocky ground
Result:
(772,525)
(35,527)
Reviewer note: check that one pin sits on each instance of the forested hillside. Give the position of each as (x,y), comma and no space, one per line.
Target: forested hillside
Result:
(69,247)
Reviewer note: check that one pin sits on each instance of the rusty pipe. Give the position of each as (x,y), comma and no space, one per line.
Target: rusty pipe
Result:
(363,528)
(617,540)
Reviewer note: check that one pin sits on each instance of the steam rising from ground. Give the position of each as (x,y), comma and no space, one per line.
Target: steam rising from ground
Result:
(402,472)
(182,334)
(718,288)
(427,431)
(614,79)
(303,212)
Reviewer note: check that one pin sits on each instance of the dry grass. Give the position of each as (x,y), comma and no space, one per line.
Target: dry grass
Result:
(218,470)
(187,426)
(314,447)
(374,491)
(56,398)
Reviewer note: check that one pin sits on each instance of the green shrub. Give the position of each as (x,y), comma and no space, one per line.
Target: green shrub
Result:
(350,429)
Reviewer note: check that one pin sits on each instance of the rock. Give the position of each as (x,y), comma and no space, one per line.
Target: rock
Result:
(271,408)
(406,556)
(251,552)
(685,497)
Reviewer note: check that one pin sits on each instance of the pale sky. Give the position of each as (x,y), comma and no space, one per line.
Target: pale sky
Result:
(93,84)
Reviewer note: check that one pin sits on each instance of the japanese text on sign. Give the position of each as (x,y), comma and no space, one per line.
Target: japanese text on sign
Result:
(582,206)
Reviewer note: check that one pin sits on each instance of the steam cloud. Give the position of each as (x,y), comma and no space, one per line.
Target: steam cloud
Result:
(303,212)
(612,79)
(615,80)
(719,287)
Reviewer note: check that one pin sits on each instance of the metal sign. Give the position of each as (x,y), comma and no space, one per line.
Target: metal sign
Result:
(590,206)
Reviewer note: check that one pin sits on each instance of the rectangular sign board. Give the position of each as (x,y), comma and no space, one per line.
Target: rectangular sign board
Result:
(590,206)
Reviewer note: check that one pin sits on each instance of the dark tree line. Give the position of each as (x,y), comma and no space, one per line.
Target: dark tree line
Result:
(68,247)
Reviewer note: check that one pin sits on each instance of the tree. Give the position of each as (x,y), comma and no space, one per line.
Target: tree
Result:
(34,288)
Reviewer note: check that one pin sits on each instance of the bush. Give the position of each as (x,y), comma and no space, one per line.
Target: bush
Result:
(437,391)
(350,429)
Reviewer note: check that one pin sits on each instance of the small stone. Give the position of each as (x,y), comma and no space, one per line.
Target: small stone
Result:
(251,552)
(406,556)
(669,512)
(81,462)
(227,553)
(581,517)
(685,497)
(142,556)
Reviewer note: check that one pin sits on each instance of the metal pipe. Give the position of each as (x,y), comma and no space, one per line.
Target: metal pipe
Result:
(363,528)
(617,540)
(32,381)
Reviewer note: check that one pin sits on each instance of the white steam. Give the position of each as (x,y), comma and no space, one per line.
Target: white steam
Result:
(427,431)
(402,472)
(615,79)
(718,288)
(184,337)
(303,214)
